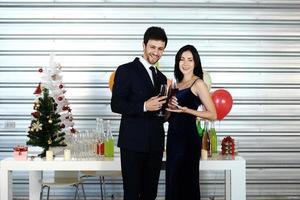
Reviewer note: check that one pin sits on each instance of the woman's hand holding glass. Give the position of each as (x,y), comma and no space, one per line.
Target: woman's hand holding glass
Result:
(173,106)
(173,103)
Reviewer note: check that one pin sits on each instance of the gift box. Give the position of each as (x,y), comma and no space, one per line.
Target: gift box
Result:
(20,153)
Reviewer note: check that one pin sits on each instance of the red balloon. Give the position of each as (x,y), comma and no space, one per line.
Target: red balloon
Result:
(223,102)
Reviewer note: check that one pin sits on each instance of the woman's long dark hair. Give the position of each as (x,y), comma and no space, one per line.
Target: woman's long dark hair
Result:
(198,68)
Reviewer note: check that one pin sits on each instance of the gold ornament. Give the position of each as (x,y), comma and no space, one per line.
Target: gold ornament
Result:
(49,141)
(54,77)
(37,126)
(50,121)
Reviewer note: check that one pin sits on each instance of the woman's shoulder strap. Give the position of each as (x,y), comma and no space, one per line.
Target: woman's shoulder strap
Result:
(195,81)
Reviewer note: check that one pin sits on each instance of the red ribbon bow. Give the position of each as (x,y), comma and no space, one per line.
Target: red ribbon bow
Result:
(20,149)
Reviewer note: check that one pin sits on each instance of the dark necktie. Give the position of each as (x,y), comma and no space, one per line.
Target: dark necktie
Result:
(154,76)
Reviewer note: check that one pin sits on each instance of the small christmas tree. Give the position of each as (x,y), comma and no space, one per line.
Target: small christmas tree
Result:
(45,129)
(52,118)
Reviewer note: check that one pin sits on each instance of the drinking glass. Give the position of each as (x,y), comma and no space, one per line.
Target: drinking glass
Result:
(162,92)
(174,88)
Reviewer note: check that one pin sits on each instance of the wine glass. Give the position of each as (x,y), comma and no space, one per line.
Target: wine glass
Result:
(162,92)
(174,88)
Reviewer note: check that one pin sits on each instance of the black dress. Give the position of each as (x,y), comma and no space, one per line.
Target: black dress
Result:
(183,151)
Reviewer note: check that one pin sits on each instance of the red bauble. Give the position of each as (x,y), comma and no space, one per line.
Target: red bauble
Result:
(62,126)
(61,86)
(36,114)
(73,130)
(60,98)
(40,70)
(65,108)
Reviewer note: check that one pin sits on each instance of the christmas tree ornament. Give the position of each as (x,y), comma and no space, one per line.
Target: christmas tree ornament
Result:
(38,90)
(60,98)
(50,121)
(73,130)
(37,126)
(36,114)
(40,70)
(54,77)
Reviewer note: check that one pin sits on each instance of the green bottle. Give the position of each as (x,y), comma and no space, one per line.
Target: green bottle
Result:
(109,142)
(199,128)
(213,138)
(206,142)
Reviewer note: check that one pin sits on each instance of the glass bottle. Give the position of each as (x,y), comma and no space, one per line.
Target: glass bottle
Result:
(109,141)
(100,133)
(213,138)
(208,140)
(199,128)
(205,144)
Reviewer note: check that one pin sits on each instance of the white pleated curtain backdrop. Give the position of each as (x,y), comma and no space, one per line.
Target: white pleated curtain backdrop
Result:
(250,48)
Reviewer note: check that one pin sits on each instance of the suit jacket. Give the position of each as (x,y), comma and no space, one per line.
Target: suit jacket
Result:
(139,131)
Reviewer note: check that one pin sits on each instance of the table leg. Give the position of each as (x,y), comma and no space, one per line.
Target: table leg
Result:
(6,184)
(34,185)
(227,184)
(238,183)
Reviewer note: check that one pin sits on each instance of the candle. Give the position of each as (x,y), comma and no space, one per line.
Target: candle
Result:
(49,155)
(67,154)
(203,154)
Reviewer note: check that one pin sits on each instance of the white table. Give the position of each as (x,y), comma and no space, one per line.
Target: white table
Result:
(235,172)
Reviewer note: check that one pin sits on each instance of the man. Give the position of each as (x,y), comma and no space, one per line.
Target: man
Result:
(141,136)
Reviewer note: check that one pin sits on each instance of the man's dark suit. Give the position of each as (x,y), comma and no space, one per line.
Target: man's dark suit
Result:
(141,136)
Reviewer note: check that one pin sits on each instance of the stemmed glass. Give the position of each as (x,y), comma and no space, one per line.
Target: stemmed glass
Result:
(174,88)
(163,90)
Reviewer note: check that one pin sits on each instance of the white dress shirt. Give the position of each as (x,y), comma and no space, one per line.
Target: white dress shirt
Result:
(147,67)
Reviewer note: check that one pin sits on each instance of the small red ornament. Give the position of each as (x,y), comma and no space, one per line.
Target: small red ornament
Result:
(69,109)
(40,70)
(62,126)
(38,90)
(65,108)
(60,98)
(36,114)
(73,130)
(61,86)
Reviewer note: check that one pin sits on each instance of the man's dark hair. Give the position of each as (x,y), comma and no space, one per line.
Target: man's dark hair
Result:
(155,33)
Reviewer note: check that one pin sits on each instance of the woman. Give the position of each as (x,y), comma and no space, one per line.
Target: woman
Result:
(184,143)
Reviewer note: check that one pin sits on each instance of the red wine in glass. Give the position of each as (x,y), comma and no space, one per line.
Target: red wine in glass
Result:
(174,91)
(162,92)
